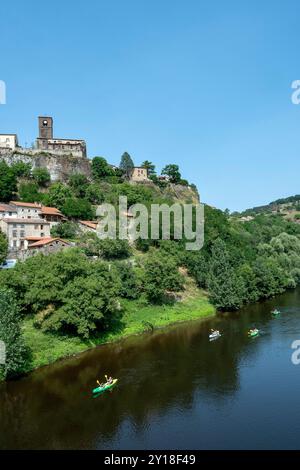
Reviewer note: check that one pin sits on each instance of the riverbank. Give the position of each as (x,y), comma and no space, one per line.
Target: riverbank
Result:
(138,317)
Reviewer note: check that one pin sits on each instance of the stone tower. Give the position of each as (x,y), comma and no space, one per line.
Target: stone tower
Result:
(45,127)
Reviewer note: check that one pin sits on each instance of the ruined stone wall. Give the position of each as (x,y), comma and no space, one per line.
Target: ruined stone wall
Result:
(60,166)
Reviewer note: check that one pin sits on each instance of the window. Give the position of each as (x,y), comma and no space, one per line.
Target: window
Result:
(36,227)
(15,233)
(22,226)
(22,234)
(42,234)
(15,243)
(42,227)
(10,214)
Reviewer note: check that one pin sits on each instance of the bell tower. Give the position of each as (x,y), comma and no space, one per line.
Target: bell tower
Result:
(45,127)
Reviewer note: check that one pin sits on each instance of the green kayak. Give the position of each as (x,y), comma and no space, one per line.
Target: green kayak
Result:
(106,387)
(275,312)
(253,333)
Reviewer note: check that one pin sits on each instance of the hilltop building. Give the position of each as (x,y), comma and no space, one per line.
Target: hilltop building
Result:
(46,141)
(9,141)
(138,174)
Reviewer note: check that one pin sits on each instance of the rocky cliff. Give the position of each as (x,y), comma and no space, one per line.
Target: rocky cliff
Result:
(60,167)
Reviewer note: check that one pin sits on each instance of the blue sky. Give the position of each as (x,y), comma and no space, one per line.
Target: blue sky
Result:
(206,85)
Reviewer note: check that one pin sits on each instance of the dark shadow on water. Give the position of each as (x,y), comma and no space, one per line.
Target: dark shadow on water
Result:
(172,377)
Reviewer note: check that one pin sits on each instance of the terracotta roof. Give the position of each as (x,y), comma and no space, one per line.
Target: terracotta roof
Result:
(26,204)
(89,223)
(51,211)
(34,239)
(13,220)
(45,241)
(7,208)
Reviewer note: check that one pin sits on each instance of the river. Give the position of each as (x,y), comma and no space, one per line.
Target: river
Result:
(176,390)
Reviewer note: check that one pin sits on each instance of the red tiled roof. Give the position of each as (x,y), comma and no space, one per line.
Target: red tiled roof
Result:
(7,208)
(45,241)
(35,205)
(13,220)
(35,239)
(89,223)
(51,211)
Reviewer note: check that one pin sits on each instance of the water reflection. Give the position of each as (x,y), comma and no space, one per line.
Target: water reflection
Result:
(164,379)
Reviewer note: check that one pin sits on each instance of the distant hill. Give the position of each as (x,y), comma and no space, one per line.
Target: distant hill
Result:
(288,208)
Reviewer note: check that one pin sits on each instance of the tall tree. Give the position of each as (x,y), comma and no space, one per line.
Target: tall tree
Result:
(126,164)
(100,168)
(8,182)
(10,334)
(3,247)
(172,171)
(226,288)
(150,167)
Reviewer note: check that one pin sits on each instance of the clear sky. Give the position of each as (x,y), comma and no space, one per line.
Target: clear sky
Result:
(203,84)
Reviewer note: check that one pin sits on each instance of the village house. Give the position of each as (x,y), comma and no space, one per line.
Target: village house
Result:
(8,141)
(18,230)
(87,226)
(25,223)
(27,210)
(46,246)
(7,210)
(138,174)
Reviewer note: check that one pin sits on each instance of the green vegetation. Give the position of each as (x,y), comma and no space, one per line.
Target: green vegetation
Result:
(103,290)
(8,182)
(138,317)
(3,247)
(41,176)
(245,262)
(11,335)
(172,171)
(126,164)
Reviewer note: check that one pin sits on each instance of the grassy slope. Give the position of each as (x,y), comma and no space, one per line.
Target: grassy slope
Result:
(47,348)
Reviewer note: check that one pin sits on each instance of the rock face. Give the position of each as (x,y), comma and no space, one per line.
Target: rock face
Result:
(60,167)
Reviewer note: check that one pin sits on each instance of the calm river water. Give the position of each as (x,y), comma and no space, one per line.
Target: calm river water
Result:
(176,390)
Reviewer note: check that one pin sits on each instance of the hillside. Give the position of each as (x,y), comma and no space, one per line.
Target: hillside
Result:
(288,208)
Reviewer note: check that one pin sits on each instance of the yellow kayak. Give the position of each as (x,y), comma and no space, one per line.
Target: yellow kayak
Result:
(105,387)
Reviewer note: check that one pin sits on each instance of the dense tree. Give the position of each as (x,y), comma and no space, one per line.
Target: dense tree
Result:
(57,194)
(114,249)
(8,182)
(78,183)
(64,230)
(126,164)
(149,166)
(89,304)
(100,168)
(77,208)
(172,171)
(10,334)
(41,176)
(94,194)
(3,247)
(29,192)
(161,275)
(226,288)
(21,169)
(130,281)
